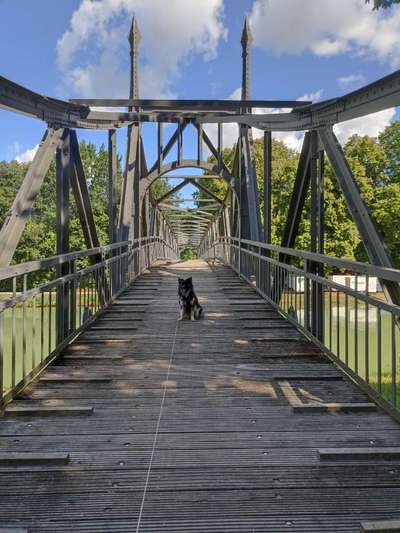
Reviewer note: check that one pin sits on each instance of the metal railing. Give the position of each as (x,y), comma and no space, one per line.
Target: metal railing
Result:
(39,318)
(352,323)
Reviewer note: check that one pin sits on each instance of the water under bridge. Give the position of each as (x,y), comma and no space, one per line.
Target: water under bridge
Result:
(278,411)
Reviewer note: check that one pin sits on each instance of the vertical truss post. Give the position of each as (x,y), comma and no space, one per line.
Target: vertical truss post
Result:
(316,230)
(179,144)
(160,145)
(267,186)
(137,206)
(63,172)
(321,201)
(112,174)
(219,146)
(153,221)
(112,206)
(200,144)
(265,266)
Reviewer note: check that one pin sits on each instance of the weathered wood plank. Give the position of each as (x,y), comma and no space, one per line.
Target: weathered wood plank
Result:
(33,459)
(231,454)
(355,454)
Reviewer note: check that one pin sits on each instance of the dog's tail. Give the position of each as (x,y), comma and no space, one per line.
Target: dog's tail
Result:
(198,313)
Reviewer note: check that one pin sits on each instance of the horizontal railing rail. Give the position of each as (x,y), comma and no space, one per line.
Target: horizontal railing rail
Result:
(348,317)
(42,317)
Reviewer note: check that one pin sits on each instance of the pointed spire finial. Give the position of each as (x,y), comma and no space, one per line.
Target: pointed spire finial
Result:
(247,37)
(134,40)
(134,33)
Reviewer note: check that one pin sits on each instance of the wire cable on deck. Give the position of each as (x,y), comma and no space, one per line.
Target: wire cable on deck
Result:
(171,355)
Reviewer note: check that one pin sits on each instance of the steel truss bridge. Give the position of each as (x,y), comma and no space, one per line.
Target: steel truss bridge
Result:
(279,411)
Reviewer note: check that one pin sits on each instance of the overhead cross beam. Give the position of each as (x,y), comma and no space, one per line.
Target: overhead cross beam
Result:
(172,191)
(207,191)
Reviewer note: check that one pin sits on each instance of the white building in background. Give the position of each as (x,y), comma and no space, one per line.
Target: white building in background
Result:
(296,284)
(350,282)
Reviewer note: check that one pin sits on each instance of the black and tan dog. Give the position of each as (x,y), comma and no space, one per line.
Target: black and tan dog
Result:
(188,302)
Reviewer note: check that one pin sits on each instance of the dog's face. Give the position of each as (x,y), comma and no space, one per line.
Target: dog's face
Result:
(185,284)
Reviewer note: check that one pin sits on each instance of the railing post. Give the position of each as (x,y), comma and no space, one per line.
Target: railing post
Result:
(306,296)
(72,298)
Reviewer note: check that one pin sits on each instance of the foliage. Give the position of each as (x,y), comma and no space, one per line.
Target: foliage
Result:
(189,253)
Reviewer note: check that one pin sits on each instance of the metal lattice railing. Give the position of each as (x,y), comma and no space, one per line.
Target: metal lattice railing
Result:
(39,318)
(352,321)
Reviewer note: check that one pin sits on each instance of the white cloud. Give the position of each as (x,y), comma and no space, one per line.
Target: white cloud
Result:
(27,155)
(311,97)
(351,80)
(326,27)
(370,125)
(93,54)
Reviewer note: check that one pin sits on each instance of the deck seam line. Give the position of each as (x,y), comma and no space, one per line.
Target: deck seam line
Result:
(171,355)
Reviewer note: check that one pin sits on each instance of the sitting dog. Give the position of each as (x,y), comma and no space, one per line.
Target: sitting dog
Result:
(188,302)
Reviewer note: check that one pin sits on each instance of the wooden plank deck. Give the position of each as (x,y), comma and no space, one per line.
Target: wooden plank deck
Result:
(193,425)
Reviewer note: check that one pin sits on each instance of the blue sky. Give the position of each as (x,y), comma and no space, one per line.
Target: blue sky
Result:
(189,49)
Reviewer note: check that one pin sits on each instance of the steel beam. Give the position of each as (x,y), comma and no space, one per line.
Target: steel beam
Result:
(300,188)
(267,186)
(21,209)
(160,140)
(187,105)
(63,179)
(126,211)
(316,229)
(250,207)
(166,150)
(199,144)
(206,191)
(172,191)
(81,194)
(112,175)
(220,164)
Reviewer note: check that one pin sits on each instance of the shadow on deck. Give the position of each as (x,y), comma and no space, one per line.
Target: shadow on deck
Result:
(232,423)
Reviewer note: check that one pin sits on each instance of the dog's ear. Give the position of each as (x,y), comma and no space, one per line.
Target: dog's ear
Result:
(189,280)
(180,280)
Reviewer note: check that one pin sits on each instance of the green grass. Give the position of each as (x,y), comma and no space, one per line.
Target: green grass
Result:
(34,342)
